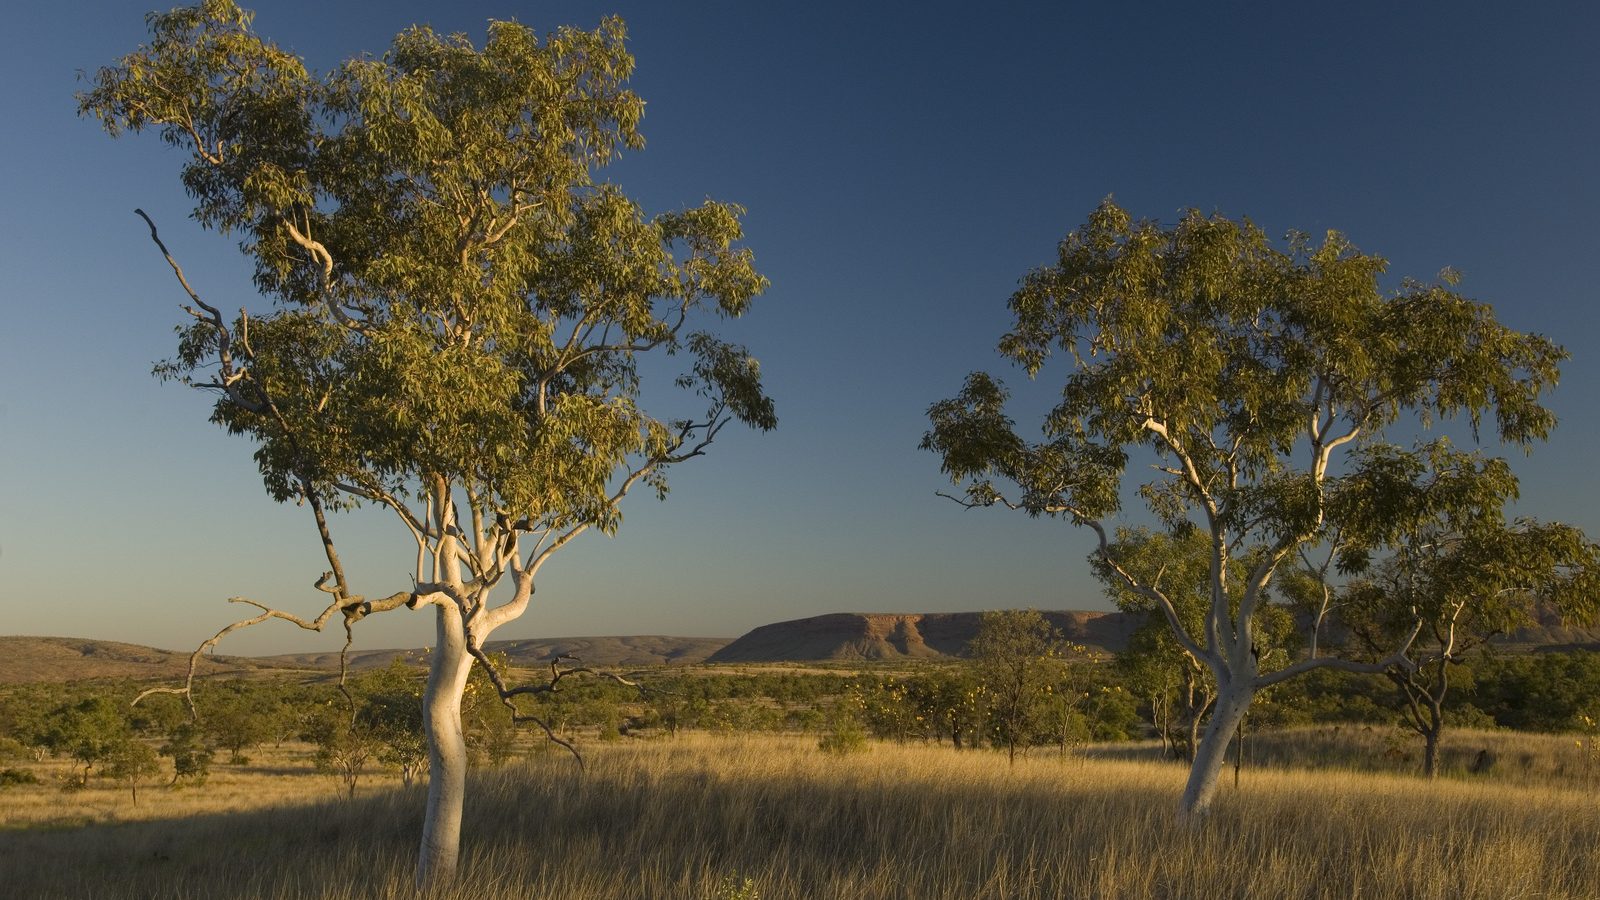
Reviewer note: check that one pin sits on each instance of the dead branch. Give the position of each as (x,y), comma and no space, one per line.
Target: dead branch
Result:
(228,376)
(354,609)
(557,673)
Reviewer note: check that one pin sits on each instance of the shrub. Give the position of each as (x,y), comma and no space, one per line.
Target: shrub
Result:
(845,734)
(17,776)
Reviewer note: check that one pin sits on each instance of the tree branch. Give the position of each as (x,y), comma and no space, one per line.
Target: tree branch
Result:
(1398,659)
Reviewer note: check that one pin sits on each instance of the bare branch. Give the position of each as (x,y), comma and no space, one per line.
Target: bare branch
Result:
(1400,658)
(228,375)
(187,691)
(556,674)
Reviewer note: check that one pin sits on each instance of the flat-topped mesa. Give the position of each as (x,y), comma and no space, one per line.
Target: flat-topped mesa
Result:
(845,636)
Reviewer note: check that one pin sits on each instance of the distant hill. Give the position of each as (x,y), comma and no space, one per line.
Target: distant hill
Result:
(635,650)
(54,659)
(32,659)
(864,636)
(835,636)
(1550,632)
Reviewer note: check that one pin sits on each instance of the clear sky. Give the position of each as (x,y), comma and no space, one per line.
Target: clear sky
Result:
(903,165)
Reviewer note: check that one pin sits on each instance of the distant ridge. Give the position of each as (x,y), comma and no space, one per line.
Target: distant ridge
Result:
(834,636)
(55,659)
(633,650)
(866,636)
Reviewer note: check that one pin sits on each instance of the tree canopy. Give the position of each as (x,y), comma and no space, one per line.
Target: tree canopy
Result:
(1259,380)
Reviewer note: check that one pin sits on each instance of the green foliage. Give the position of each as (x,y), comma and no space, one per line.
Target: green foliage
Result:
(11,776)
(457,296)
(131,762)
(1537,691)
(1264,384)
(191,757)
(1016,656)
(1205,329)
(24,718)
(1456,574)
(238,714)
(490,732)
(376,718)
(845,733)
(389,708)
(344,747)
(88,730)
(953,704)
(732,887)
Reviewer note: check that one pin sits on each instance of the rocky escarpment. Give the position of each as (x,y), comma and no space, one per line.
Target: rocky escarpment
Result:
(845,636)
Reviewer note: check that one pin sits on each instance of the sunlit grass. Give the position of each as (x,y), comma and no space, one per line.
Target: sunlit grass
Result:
(1503,756)
(275,776)
(681,817)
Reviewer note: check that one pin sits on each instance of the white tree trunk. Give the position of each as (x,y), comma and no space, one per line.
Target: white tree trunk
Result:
(447,751)
(1233,701)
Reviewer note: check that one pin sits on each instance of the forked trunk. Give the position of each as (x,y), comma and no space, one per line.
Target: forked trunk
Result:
(1233,701)
(447,752)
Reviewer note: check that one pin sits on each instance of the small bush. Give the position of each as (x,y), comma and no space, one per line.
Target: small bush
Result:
(845,735)
(17,776)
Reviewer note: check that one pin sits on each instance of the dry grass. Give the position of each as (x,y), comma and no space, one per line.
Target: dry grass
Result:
(275,776)
(1507,757)
(680,818)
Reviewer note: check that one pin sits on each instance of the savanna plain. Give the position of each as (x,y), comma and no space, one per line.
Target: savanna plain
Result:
(705,815)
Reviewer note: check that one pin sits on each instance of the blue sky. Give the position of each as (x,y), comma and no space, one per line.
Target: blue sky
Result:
(903,165)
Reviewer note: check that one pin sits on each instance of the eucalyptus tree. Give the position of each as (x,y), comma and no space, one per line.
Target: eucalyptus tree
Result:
(459,309)
(1245,373)
(1457,567)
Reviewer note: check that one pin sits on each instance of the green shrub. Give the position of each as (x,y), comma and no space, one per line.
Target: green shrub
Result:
(845,734)
(17,776)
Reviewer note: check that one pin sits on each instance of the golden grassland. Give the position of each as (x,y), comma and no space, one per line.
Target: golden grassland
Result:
(275,776)
(700,816)
(1502,756)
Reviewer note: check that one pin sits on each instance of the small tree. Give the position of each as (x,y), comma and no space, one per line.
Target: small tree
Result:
(25,717)
(1246,374)
(1016,655)
(235,718)
(1458,570)
(88,730)
(191,756)
(131,762)
(345,745)
(461,310)
(844,733)
(952,703)
(389,707)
